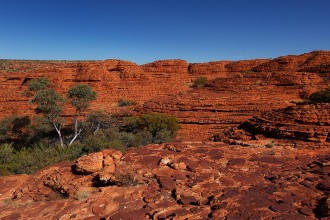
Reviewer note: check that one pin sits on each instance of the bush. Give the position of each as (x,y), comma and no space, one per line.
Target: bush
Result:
(94,143)
(67,153)
(156,122)
(321,96)
(5,127)
(152,128)
(112,132)
(142,138)
(200,82)
(16,128)
(6,153)
(29,160)
(123,102)
(163,136)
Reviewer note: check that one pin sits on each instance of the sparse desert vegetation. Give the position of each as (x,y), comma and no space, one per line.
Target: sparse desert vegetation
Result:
(139,155)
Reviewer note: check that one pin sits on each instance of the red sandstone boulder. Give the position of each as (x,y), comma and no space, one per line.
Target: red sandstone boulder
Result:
(90,163)
(95,162)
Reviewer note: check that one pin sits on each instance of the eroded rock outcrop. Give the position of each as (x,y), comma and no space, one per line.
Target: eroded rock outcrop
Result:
(176,181)
(305,121)
(229,101)
(315,61)
(237,90)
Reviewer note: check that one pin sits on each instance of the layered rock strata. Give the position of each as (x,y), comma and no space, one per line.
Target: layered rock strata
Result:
(229,101)
(238,89)
(305,121)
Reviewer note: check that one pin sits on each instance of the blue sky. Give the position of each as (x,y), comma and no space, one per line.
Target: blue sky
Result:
(146,30)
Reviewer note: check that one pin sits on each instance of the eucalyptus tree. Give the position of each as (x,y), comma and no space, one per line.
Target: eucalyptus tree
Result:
(50,103)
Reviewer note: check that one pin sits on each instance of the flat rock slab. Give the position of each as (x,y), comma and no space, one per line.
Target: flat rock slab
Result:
(186,180)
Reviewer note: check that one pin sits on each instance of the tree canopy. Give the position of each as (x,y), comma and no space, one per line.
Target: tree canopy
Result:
(81,95)
(49,103)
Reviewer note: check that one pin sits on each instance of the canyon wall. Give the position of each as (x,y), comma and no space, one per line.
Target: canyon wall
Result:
(237,90)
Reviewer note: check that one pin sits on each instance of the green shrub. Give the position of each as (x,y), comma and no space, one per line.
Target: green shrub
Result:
(6,153)
(200,82)
(14,128)
(95,143)
(123,102)
(112,132)
(40,125)
(163,136)
(20,123)
(321,96)
(117,145)
(5,128)
(152,128)
(156,122)
(68,153)
(101,141)
(142,138)
(40,155)
(29,160)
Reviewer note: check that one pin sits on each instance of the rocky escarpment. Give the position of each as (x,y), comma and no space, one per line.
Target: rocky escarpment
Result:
(242,90)
(111,79)
(238,90)
(176,181)
(305,121)
(316,60)
(231,100)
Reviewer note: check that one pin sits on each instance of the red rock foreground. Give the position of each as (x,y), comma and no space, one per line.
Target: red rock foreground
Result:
(176,181)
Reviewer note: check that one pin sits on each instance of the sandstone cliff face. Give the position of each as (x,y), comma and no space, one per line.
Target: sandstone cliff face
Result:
(231,100)
(307,122)
(239,89)
(188,180)
(304,62)
(111,79)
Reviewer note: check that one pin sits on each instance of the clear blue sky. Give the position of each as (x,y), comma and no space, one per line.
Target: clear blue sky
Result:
(146,30)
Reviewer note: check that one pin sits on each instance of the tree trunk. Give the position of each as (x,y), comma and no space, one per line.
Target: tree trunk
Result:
(58,130)
(97,129)
(75,136)
(76,132)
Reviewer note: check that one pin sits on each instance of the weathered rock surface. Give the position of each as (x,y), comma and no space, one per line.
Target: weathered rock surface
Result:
(316,60)
(176,181)
(231,100)
(305,121)
(240,90)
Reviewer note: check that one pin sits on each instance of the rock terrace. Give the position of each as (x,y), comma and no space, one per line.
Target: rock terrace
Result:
(176,181)
(238,90)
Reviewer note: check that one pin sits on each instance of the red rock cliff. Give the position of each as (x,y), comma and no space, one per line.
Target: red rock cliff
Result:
(239,89)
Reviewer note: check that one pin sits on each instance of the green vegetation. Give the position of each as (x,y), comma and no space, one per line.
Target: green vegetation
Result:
(151,128)
(200,82)
(36,157)
(50,104)
(322,96)
(31,148)
(28,144)
(80,96)
(123,102)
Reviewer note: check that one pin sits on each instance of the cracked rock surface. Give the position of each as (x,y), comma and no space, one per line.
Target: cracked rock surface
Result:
(188,180)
